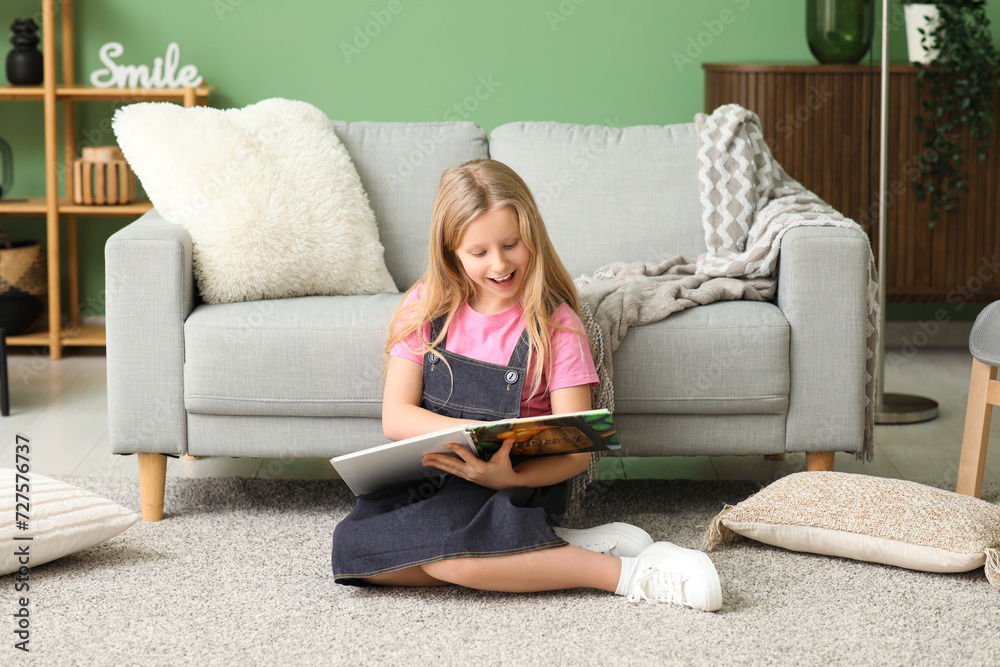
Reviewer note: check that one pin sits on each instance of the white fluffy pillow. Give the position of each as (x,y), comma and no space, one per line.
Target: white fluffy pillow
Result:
(62,519)
(268,193)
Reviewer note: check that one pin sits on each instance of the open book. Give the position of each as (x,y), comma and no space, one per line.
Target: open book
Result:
(401,461)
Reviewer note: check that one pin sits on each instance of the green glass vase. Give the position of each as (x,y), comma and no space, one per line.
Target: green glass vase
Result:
(839,31)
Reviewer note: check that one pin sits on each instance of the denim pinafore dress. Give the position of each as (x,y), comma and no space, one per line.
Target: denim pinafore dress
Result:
(444,516)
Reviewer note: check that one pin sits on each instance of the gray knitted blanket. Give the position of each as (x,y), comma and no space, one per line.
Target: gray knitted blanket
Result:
(748,204)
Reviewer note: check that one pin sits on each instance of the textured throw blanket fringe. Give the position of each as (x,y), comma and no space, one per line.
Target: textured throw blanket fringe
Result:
(601,396)
(993,566)
(718,533)
(748,204)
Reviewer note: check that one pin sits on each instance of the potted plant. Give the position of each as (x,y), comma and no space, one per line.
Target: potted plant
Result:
(921,18)
(955,90)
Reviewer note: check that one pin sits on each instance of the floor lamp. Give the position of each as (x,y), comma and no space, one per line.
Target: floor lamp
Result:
(890,408)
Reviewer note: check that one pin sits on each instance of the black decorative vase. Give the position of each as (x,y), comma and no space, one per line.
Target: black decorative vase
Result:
(24,62)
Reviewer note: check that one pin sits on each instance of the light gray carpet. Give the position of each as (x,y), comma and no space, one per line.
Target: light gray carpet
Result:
(238,573)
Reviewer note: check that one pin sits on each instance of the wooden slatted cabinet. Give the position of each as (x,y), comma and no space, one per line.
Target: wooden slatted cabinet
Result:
(816,119)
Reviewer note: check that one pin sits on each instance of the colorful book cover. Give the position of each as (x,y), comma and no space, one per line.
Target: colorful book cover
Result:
(592,431)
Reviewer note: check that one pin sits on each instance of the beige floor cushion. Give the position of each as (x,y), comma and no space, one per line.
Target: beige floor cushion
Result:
(867,518)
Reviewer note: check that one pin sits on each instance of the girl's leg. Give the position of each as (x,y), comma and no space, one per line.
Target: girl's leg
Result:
(411,576)
(663,572)
(550,569)
(555,568)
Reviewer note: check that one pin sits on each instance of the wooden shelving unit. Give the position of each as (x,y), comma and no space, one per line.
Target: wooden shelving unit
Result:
(36,93)
(59,210)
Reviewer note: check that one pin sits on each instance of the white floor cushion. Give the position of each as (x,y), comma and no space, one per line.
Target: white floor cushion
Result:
(62,519)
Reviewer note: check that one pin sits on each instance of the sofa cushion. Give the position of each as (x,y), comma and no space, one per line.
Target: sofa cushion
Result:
(400,165)
(315,356)
(723,358)
(322,357)
(609,194)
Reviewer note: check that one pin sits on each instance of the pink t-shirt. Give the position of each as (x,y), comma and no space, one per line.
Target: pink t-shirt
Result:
(492,338)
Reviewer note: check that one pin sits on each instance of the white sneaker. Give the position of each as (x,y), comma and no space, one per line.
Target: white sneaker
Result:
(669,573)
(614,539)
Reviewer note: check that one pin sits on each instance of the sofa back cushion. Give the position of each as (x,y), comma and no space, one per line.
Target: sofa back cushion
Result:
(400,165)
(313,356)
(609,194)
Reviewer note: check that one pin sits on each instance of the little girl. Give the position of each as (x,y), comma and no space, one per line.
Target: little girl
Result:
(492,331)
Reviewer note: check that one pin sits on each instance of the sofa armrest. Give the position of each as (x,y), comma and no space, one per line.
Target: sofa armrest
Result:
(822,291)
(150,292)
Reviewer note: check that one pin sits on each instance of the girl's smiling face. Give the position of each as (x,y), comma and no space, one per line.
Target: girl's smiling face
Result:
(496,258)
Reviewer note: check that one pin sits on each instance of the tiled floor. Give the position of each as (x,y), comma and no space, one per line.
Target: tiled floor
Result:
(61,406)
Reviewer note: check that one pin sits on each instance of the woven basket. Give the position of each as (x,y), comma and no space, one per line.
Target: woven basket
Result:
(23,286)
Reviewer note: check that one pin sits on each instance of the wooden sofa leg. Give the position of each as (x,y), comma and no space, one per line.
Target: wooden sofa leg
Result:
(978,413)
(819,461)
(152,480)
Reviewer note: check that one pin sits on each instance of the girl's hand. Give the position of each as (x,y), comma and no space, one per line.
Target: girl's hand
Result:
(496,474)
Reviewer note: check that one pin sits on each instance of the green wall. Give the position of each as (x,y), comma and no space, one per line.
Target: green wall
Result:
(617,62)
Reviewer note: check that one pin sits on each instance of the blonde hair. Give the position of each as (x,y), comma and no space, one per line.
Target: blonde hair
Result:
(465,193)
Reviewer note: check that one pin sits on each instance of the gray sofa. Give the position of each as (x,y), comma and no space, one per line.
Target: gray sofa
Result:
(301,377)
